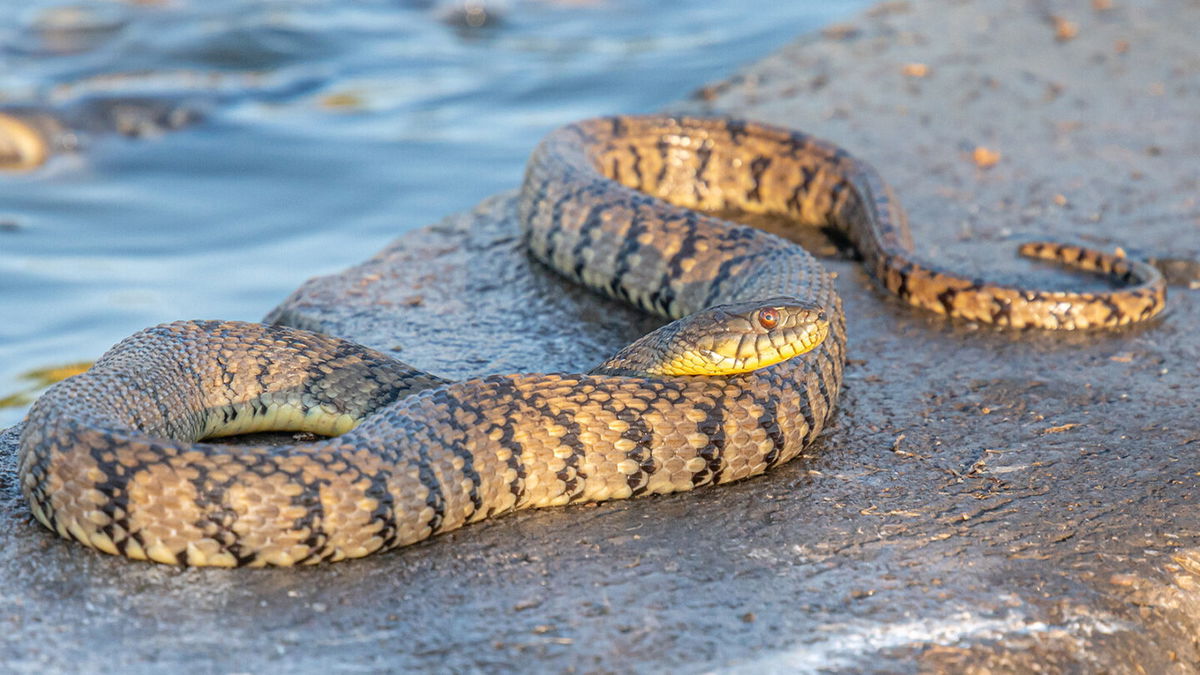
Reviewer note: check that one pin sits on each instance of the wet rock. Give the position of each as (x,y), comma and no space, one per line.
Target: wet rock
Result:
(463,300)
(31,135)
(983,501)
(134,117)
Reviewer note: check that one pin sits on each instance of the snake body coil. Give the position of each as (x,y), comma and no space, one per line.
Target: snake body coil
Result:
(112,457)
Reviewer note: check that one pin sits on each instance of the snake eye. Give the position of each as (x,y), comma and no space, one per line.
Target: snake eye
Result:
(768,317)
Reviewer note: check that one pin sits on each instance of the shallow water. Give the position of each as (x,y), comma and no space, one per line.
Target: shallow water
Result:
(328,128)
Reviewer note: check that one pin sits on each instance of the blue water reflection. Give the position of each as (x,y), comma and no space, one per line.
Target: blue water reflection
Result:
(330,127)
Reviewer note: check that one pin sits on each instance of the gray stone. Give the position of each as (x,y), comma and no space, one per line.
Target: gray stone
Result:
(983,501)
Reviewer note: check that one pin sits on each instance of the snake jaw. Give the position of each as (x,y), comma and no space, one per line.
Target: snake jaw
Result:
(725,340)
(796,327)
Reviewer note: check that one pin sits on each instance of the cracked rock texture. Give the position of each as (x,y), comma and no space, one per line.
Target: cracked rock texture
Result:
(983,502)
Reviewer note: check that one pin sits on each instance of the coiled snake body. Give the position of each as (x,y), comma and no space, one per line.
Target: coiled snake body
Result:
(113,457)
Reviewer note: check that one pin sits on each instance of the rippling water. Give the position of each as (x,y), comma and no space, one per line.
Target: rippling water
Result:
(329,127)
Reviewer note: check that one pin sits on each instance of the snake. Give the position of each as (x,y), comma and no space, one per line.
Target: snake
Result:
(123,457)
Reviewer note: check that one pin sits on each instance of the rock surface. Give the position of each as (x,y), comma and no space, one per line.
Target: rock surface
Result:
(984,501)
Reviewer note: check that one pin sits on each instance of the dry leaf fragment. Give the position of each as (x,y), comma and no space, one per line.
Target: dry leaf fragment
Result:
(1064,30)
(985,158)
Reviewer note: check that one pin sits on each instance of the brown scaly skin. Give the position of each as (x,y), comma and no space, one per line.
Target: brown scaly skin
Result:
(728,165)
(110,458)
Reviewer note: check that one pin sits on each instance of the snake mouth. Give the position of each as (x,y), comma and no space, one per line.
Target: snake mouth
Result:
(775,349)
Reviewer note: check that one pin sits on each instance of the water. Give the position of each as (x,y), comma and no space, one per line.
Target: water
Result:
(329,128)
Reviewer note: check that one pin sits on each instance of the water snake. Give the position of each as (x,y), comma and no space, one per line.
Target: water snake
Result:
(114,457)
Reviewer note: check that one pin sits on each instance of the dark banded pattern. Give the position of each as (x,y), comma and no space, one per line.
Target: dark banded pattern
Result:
(111,458)
(722,166)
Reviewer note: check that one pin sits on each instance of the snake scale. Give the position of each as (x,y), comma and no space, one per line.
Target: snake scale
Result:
(115,457)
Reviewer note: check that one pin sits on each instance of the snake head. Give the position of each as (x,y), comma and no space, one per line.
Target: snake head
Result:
(725,340)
